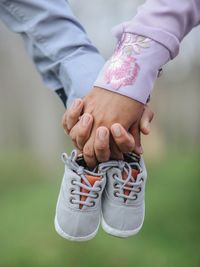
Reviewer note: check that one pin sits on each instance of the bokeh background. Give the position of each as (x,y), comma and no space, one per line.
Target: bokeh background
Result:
(32,139)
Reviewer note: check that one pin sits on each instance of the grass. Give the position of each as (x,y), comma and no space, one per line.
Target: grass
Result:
(170,236)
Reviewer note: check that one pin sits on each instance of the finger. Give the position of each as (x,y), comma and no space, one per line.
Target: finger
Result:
(115,153)
(146,119)
(88,151)
(71,116)
(64,123)
(73,136)
(122,138)
(101,144)
(84,129)
(135,132)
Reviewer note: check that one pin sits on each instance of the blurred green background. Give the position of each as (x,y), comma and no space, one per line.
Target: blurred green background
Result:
(170,235)
(32,139)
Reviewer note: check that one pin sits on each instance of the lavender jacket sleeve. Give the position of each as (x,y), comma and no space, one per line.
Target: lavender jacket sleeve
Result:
(133,68)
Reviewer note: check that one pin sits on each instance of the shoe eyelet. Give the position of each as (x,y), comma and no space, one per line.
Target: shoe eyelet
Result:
(115,184)
(115,193)
(92,203)
(113,175)
(135,196)
(96,196)
(139,189)
(100,188)
(72,191)
(73,181)
(71,200)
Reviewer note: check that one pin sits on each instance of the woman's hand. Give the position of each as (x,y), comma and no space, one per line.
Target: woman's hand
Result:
(100,130)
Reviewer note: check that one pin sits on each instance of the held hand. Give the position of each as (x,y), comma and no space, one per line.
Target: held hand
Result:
(108,108)
(121,140)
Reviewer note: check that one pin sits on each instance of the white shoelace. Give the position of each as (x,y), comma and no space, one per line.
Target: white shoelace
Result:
(130,183)
(93,190)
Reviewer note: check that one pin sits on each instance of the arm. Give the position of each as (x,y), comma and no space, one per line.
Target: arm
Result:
(164,21)
(56,42)
(145,44)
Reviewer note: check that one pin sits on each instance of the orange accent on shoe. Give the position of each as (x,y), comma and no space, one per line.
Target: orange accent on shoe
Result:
(92,180)
(134,174)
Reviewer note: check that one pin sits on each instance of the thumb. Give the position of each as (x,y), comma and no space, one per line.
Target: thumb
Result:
(135,132)
(146,119)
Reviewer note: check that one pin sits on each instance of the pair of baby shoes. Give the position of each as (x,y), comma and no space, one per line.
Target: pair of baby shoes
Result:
(112,194)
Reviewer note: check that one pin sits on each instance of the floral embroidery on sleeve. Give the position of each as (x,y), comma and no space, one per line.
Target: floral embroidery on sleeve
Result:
(123,68)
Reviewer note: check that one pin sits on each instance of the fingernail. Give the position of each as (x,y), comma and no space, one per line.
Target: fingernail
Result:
(117,131)
(76,103)
(85,120)
(102,134)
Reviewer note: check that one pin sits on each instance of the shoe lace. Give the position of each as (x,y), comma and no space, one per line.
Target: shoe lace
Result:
(130,184)
(89,190)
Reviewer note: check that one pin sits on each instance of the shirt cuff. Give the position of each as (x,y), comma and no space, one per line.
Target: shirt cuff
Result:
(133,67)
(79,72)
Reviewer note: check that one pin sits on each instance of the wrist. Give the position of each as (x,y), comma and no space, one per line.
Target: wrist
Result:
(130,109)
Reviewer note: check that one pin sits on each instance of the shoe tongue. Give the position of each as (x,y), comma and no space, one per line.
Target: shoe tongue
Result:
(91,179)
(134,174)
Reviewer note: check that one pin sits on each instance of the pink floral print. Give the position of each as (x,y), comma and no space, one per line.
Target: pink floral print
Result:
(123,68)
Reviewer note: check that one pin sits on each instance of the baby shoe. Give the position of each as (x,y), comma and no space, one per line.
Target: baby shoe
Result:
(78,210)
(123,203)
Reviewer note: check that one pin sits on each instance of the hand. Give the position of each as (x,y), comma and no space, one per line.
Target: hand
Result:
(80,132)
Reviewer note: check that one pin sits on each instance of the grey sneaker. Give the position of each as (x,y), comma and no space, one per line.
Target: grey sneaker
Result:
(123,204)
(78,210)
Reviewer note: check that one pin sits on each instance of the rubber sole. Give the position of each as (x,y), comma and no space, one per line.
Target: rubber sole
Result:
(115,232)
(73,238)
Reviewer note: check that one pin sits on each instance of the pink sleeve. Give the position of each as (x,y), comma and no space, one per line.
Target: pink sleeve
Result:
(145,44)
(133,67)
(164,21)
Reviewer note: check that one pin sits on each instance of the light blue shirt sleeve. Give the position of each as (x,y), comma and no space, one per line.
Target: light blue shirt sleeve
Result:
(56,42)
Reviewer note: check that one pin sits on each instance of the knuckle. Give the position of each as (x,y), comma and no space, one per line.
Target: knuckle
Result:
(64,121)
(65,128)
(65,125)
(65,115)
(73,137)
(72,114)
(101,147)
(82,134)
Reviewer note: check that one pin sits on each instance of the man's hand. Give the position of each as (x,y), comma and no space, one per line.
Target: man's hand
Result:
(114,111)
